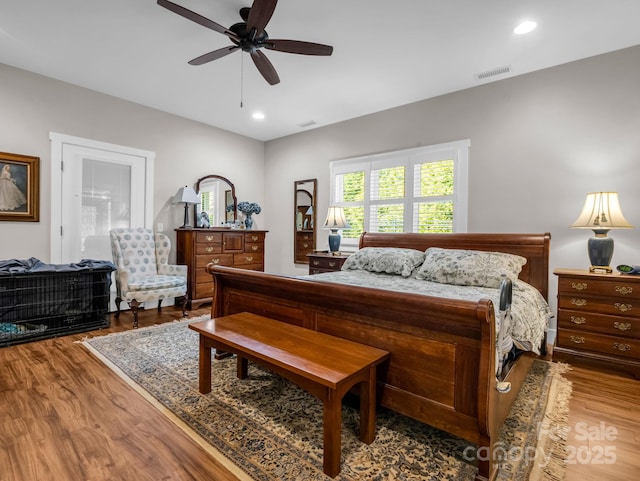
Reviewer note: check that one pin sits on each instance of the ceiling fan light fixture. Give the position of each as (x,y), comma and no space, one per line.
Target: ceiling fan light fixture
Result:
(525,27)
(258,116)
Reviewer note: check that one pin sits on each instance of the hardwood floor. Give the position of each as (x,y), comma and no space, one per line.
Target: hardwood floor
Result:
(65,416)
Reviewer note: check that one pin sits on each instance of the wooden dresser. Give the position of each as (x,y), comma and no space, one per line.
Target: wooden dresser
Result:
(324,262)
(304,245)
(599,320)
(225,247)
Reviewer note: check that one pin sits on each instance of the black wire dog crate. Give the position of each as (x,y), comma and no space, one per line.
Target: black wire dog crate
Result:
(53,300)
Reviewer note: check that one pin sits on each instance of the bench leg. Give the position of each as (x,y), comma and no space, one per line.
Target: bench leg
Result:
(204,381)
(242,367)
(368,408)
(332,434)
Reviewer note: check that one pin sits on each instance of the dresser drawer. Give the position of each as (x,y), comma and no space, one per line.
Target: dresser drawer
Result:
(204,289)
(617,307)
(209,238)
(599,323)
(208,249)
(619,287)
(216,260)
(253,237)
(242,260)
(253,248)
(612,345)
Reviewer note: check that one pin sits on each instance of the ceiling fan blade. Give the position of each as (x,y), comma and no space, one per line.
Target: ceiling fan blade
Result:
(295,46)
(265,67)
(195,17)
(260,14)
(215,55)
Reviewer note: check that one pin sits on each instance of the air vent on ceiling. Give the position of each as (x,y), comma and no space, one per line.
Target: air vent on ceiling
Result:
(493,72)
(308,123)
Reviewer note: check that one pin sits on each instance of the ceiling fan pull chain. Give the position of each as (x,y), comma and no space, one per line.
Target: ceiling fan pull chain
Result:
(241,79)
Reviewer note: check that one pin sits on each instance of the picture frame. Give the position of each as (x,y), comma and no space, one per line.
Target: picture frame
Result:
(19,188)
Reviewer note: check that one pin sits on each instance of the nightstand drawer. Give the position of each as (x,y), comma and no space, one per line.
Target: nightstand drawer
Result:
(617,307)
(599,323)
(618,286)
(618,346)
(326,263)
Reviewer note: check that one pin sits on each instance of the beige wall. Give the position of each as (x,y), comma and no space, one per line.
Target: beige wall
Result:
(539,143)
(33,106)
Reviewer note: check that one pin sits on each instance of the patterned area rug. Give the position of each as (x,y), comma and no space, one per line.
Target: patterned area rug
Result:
(268,429)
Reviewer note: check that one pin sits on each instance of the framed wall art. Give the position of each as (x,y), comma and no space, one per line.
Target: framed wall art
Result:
(19,188)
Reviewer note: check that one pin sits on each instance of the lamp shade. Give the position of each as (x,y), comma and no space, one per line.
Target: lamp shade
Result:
(187,195)
(601,211)
(335,219)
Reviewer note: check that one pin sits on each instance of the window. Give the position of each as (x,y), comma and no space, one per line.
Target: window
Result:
(418,190)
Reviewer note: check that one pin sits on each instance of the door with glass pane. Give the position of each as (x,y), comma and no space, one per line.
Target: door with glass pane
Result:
(100,191)
(100,188)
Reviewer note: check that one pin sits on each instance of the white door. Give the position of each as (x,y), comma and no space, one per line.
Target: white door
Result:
(96,187)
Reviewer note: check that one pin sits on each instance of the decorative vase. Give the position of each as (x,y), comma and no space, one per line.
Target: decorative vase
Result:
(248,221)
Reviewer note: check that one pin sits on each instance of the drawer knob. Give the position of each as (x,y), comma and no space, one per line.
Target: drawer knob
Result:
(621,347)
(215,261)
(305,245)
(209,237)
(254,248)
(316,263)
(578,320)
(209,249)
(254,238)
(622,326)
(579,302)
(577,339)
(249,258)
(624,290)
(579,286)
(332,264)
(623,307)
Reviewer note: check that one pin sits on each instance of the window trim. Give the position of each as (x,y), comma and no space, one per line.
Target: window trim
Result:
(457,150)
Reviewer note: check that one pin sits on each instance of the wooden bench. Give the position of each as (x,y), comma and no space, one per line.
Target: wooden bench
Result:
(326,366)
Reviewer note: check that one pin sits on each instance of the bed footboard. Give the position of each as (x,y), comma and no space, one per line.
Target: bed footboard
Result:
(442,365)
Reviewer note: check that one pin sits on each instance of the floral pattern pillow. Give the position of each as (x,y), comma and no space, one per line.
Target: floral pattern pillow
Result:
(390,260)
(469,267)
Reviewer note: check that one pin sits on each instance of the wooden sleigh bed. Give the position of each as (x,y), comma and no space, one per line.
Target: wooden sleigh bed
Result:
(442,365)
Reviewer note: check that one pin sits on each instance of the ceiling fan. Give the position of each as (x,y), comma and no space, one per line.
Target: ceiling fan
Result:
(250,36)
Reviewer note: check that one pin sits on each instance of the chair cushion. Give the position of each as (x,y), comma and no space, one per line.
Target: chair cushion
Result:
(144,283)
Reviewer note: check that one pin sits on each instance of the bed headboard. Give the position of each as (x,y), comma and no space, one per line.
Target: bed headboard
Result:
(534,247)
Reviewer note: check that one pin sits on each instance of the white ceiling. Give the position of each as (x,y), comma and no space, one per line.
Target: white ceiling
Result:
(386,53)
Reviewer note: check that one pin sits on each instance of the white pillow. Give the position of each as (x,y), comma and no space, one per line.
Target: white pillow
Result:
(391,260)
(469,267)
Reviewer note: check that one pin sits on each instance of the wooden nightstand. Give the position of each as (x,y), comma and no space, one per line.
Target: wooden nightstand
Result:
(324,262)
(599,319)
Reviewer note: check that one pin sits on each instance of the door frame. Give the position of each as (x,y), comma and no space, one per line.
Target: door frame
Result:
(58,141)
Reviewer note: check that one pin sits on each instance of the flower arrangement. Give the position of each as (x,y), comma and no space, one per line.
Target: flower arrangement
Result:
(249,208)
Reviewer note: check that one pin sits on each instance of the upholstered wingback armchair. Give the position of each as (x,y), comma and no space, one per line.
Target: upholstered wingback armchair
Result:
(143,272)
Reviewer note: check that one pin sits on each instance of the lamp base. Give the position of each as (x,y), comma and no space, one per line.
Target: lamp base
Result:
(600,248)
(186,217)
(334,241)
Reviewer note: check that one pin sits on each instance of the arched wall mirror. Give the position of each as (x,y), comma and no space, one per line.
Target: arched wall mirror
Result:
(304,219)
(218,200)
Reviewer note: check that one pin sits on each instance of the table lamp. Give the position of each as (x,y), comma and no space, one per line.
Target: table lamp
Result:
(601,213)
(186,195)
(335,220)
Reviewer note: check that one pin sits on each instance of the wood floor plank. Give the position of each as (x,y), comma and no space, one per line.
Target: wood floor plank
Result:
(64,415)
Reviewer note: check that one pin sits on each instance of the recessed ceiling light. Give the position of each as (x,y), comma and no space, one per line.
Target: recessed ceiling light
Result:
(525,27)
(258,115)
